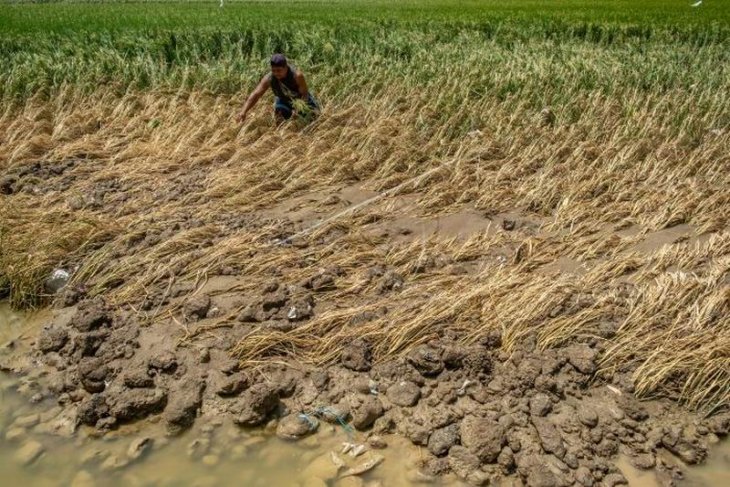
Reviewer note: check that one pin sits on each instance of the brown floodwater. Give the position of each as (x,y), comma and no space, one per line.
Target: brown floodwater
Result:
(212,453)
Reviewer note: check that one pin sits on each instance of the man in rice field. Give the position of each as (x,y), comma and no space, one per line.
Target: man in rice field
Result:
(291,93)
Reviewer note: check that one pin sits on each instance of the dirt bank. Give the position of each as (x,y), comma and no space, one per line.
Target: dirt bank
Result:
(539,417)
(504,313)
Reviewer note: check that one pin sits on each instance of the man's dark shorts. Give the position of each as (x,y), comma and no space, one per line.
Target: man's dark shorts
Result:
(285,109)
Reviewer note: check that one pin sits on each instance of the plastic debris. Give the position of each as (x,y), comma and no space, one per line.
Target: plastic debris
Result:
(462,390)
(366,466)
(292,314)
(324,412)
(312,422)
(357,450)
(57,280)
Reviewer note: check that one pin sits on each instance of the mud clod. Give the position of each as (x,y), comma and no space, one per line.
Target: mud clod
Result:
(357,356)
(322,282)
(550,438)
(204,355)
(7,185)
(165,362)
(93,372)
(543,471)
(391,281)
(229,366)
(442,439)
(404,394)
(87,344)
(540,405)
(582,357)
(720,424)
(462,461)
(584,476)
(185,400)
(364,411)
(231,385)
(483,437)
(377,442)
(197,307)
(274,301)
(644,461)
(127,404)
(52,339)
(684,445)
(588,416)
(137,375)
(614,479)
(92,409)
(482,412)
(427,360)
(506,459)
(90,315)
(300,309)
(248,314)
(320,379)
(255,405)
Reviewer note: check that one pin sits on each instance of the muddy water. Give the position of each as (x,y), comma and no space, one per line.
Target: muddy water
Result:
(715,472)
(212,453)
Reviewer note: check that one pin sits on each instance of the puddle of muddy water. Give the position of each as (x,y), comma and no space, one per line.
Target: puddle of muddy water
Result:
(207,455)
(715,472)
(212,453)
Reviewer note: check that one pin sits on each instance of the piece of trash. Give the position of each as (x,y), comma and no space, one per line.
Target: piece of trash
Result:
(292,314)
(57,280)
(312,422)
(697,3)
(360,469)
(373,386)
(281,241)
(331,415)
(299,311)
(357,450)
(462,390)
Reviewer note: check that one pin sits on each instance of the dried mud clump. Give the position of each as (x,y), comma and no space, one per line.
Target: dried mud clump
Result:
(480,412)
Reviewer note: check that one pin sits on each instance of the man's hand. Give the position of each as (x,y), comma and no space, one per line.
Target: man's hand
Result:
(253,98)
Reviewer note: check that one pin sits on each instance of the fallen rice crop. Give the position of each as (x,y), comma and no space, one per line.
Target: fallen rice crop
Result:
(602,125)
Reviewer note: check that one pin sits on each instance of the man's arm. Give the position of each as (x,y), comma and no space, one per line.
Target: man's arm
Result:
(254,97)
(302,84)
